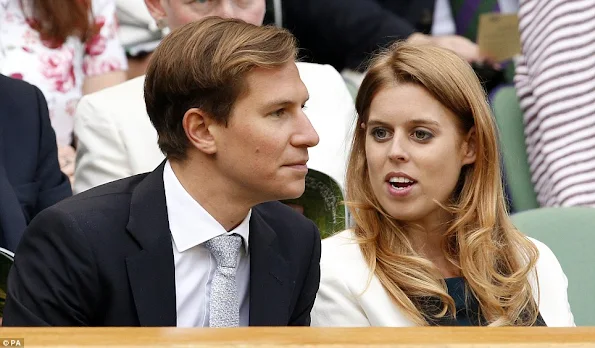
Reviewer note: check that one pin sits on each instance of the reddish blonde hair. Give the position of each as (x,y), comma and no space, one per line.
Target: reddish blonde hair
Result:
(492,255)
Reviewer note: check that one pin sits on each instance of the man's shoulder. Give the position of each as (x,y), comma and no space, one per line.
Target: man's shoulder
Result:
(14,92)
(101,201)
(284,219)
(341,246)
(276,211)
(16,85)
(21,116)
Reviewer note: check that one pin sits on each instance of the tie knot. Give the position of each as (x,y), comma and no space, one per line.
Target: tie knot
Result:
(225,249)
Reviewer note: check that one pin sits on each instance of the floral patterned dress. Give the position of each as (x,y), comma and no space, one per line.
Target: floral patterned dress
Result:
(58,72)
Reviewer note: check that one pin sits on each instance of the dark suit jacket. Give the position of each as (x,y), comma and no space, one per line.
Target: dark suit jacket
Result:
(343,33)
(30,176)
(105,258)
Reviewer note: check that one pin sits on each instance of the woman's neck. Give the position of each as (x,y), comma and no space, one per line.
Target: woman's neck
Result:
(427,239)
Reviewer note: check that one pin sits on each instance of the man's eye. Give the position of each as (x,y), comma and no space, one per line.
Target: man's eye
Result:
(278,113)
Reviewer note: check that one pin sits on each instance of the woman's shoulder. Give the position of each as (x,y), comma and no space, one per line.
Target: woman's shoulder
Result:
(550,287)
(546,255)
(341,251)
(342,244)
(342,261)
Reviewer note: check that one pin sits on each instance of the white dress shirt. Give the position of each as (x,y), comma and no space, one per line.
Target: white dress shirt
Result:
(444,24)
(191,225)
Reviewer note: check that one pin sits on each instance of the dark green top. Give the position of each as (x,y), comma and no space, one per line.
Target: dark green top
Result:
(456,290)
(466,306)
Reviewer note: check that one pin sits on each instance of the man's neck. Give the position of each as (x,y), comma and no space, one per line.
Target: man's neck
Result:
(216,197)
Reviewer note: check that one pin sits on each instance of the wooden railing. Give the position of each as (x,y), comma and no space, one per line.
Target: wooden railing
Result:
(294,337)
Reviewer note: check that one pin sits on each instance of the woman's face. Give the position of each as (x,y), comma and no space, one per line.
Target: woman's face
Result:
(180,12)
(415,152)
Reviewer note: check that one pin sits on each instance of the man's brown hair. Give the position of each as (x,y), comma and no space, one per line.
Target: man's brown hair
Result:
(203,65)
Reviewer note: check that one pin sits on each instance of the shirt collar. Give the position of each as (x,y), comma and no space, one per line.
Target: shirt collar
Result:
(190,224)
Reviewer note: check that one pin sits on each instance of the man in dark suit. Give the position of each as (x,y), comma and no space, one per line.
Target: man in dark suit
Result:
(200,240)
(30,176)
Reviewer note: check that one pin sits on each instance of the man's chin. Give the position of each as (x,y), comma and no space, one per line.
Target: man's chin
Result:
(291,190)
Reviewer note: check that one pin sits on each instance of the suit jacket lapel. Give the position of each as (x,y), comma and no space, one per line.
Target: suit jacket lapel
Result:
(271,286)
(151,272)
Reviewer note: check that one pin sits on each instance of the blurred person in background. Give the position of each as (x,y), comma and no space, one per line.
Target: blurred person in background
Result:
(344,33)
(66,48)
(555,82)
(139,34)
(30,177)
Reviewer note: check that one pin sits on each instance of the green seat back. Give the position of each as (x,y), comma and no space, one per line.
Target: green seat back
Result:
(322,202)
(570,233)
(509,119)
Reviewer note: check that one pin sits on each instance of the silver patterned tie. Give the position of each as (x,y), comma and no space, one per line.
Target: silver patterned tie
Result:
(224,306)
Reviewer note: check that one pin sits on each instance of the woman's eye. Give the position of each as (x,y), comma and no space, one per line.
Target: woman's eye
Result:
(421,135)
(380,133)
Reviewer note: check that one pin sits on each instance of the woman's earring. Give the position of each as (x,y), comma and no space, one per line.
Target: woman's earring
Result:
(162,23)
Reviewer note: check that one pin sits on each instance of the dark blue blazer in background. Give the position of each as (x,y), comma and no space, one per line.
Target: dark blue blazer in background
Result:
(30,176)
(344,33)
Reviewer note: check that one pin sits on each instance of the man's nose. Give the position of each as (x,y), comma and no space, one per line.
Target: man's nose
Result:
(306,136)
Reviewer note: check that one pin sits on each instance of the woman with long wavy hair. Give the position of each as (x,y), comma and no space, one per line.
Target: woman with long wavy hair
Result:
(432,242)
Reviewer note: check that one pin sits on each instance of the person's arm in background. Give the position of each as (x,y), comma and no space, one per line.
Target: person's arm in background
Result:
(101,153)
(359,27)
(355,27)
(105,62)
(54,185)
(104,65)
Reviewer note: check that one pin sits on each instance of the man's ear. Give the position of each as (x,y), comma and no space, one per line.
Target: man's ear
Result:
(470,147)
(156,9)
(196,126)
